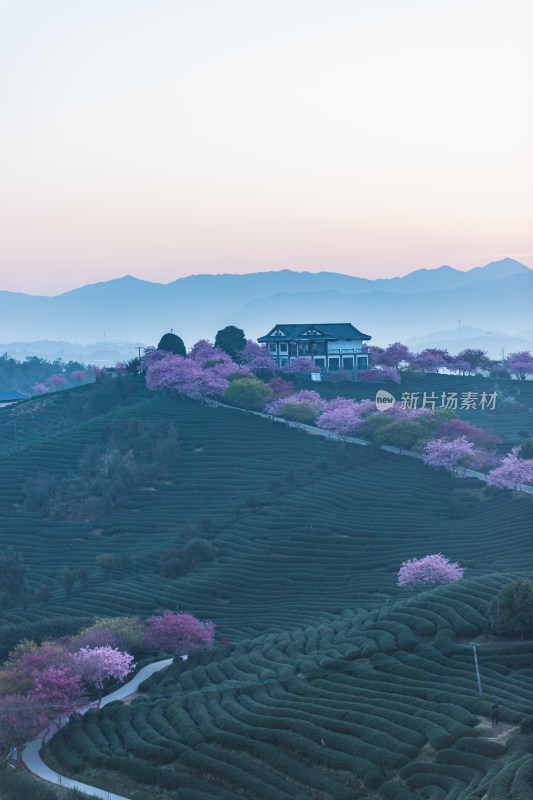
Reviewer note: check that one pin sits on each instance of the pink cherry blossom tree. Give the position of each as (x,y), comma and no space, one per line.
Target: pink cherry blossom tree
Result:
(341,419)
(300,367)
(256,357)
(393,355)
(39,388)
(512,472)
(96,665)
(432,359)
(185,376)
(441,453)
(519,364)
(429,571)
(178,633)
(454,428)
(280,387)
(78,375)
(20,722)
(58,692)
(56,380)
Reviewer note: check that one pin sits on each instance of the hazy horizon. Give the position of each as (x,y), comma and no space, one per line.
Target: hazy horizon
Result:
(164,139)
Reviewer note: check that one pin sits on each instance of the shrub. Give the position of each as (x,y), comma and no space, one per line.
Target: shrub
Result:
(196,552)
(249,393)
(510,612)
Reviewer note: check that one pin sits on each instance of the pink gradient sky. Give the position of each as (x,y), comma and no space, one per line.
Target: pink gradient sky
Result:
(162,138)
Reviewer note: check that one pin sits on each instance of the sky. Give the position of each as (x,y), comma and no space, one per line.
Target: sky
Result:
(162,138)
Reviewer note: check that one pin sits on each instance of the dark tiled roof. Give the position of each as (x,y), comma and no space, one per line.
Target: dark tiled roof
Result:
(329,330)
(7,396)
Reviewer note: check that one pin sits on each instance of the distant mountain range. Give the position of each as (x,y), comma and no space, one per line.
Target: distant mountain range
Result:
(496,297)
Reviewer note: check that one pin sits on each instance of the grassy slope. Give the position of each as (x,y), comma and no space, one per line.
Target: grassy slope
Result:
(321,550)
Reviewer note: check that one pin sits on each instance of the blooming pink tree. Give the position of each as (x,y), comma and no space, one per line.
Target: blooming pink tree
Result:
(256,357)
(393,355)
(97,664)
(178,633)
(519,364)
(342,420)
(441,453)
(58,692)
(150,356)
(300,367)
(306,395)
(79,375)
(512,472)
(429,571)
(185,376)
(56,380)
(97,370)
(20,722)
(280,387)
(120,366)
(469,361)
(430,360)
(454,428)
(39,388)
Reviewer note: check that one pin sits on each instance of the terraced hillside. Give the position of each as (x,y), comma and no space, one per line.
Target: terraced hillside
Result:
(333,684)
(303,528)
(380,704)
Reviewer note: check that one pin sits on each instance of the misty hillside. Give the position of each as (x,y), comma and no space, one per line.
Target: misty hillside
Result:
(497,296)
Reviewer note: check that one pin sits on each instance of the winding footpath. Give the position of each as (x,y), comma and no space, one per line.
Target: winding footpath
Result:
(471,473)
(35,764)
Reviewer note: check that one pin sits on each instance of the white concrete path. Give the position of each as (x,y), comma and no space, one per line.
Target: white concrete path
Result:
(35,764)
(352,440)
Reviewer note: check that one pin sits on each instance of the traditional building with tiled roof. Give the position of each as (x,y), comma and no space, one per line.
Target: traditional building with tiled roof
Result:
(334,346)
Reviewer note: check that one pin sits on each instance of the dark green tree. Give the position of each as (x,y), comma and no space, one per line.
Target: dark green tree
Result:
(196,552)
(511,611)
(231,340)
(172,344)
(12,576)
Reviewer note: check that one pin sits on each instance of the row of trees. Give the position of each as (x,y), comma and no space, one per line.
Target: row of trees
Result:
(385,361)
(22,375)
(445,440)
(468,362)
(41,684)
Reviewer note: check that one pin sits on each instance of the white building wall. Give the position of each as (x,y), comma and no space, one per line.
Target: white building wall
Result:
(346,344)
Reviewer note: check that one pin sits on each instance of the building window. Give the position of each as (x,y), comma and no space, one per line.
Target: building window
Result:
(320,362)
(273,347)
(283,347)
(362,362)
(347,362)
(334,364)
(283,361)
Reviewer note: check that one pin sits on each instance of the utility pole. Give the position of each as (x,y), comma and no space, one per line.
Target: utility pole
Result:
(477,669)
